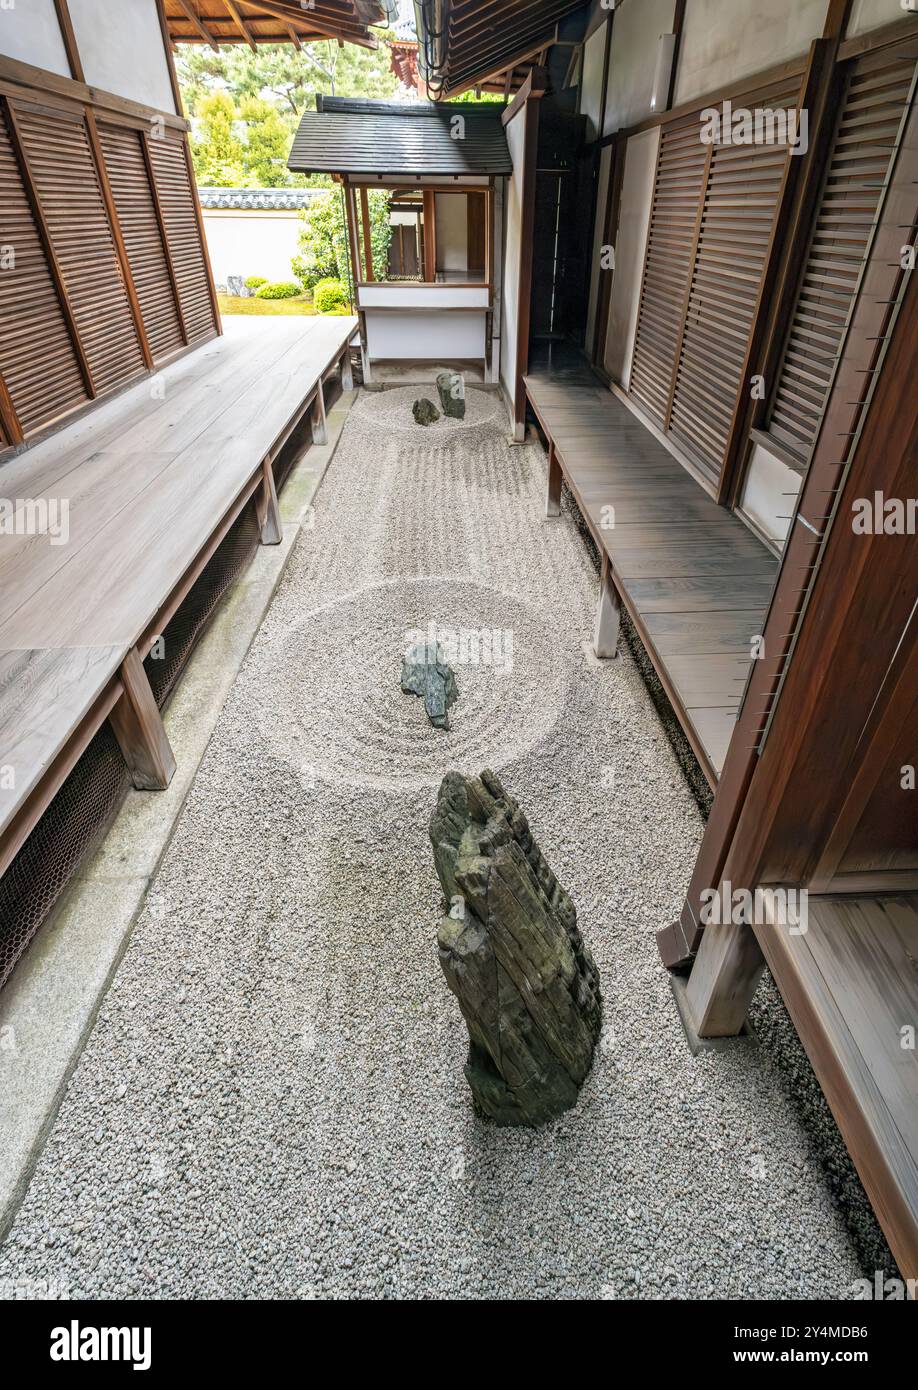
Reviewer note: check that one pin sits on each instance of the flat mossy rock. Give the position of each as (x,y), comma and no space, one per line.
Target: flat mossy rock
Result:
(426,673)
(451,390)
(425,412)
(513,956)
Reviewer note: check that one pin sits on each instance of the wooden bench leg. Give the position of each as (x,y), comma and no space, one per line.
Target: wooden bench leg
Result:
(608,615)
(266,506)
(553,496)
(347,375)
(723,979)
(139,729)
(319,423)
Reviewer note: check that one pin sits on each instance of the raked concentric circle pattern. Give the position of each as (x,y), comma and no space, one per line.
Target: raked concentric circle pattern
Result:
(357,726)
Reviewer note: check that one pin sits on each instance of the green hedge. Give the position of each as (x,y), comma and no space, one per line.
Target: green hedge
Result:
(280,289)
(254,282)
(330,297)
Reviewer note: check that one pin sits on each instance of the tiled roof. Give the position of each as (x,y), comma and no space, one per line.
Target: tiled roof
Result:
(275,199)
(356,136)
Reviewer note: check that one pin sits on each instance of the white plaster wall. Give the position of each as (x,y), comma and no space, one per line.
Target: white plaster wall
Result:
(121,49)
(594,60)
(513,216)
(30,33)
(452,231)
(770,494)
(633,62)
(251,243)
(630,245)
(726,40)
(602,194)
(413,337)
(873,14)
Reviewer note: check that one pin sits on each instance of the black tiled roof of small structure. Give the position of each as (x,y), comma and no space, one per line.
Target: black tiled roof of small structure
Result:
(355,136)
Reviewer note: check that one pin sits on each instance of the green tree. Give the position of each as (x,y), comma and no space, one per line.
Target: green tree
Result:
(282,78)
(324,242)
(219,154)
(267,144)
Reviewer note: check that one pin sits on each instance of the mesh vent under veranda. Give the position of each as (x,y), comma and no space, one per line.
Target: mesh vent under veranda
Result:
(87,801)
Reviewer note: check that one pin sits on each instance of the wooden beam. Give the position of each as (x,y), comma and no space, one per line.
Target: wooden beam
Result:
(54,264)
(535,87)
(367,234)
(14,74)
(294,37)
(115,224)
(312,23)
(169,48)
(430,235)
(353,240)
(678,29)
(8,416)
(195,22)
(241,24)
(139,729)
(69,38)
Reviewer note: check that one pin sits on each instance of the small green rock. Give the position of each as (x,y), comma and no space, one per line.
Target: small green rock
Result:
(425,412)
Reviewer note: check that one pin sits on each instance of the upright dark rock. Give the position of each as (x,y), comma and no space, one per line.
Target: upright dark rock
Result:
(425,672)
(512,955)
(451,390)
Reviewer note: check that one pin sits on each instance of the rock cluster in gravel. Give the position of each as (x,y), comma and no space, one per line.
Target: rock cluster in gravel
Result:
(512,955)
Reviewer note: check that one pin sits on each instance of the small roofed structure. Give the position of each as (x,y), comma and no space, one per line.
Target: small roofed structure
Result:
(444,167)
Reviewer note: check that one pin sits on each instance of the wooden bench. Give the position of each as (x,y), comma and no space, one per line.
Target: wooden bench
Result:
(152,481)
(694,581)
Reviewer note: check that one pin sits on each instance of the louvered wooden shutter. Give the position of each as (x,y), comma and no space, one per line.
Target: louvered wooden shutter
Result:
(37,359)
(740,206)
(871,113)
(62,166)
(668,265)
(176,199)
(712,220)
(143,240)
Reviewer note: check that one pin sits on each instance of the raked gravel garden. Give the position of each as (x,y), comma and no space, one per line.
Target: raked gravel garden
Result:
(272,1101)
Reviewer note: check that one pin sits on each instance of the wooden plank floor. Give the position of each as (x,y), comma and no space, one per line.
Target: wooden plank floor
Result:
(146,479)
(851,988)
(695,581)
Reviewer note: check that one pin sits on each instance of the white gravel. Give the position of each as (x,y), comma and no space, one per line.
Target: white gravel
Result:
(272,1101)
